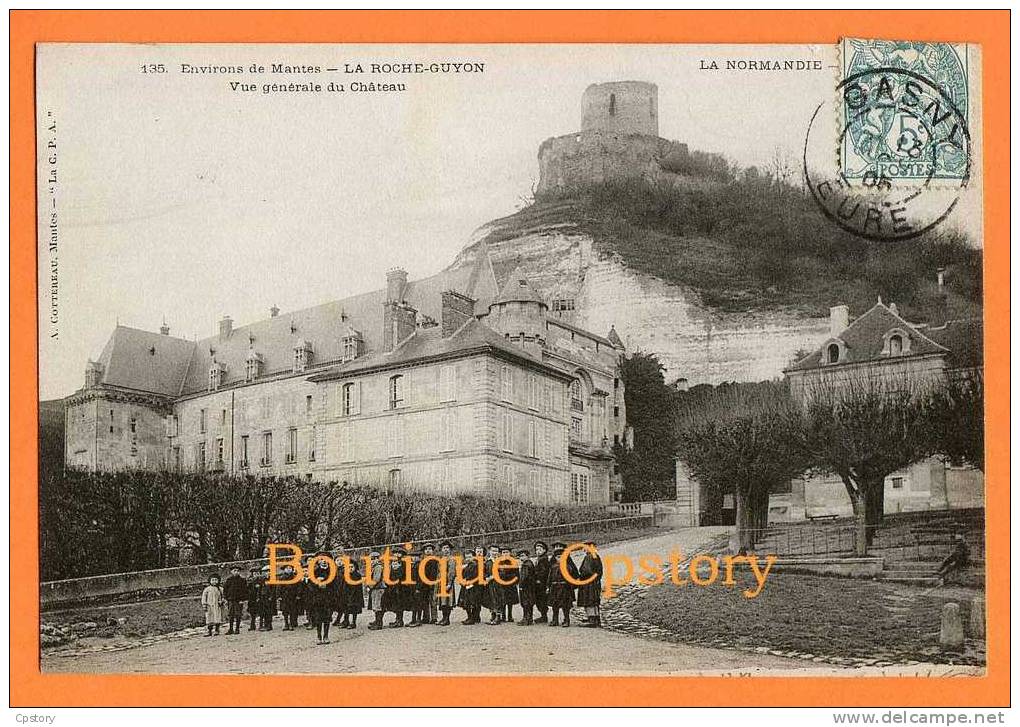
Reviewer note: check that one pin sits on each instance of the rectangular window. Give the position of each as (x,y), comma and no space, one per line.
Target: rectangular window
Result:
(177,459)
(508,478)
(219,451)
(616,412)
(201,421)
(897,483)
(244,451)
(267,449)
(396,391)
(533,438)
(291,445)
(447,383)
(547,447)
(576,428)
(311,445)
(265,407)
(200,457)
(223,417)
(508,432)
(533,489)
(506,378)
(308,405)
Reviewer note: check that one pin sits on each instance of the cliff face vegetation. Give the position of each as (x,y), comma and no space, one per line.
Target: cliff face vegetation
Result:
(753,243)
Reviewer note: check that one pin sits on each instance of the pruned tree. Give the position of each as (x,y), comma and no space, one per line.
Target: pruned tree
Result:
(744,439)
(862,429)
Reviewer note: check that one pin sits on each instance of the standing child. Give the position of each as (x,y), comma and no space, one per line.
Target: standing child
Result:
(213,602)
(290,599)
(254,589)
(526,586)
(235,590)
(447,602)
(493,590)
(426,586)
(510,575)
(472,587)
(349,573)
(542,582)
(267,602)
(561,591)
(590,594)
(376,591)
(321,598)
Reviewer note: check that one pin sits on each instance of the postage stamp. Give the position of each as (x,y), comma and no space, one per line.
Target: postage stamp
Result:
(904,112)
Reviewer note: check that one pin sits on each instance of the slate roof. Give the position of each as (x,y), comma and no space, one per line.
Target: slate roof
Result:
(428,343)
(518,289)
(145,361)
(864,340)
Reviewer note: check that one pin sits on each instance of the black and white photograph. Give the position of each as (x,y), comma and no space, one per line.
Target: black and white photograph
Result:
(562,359)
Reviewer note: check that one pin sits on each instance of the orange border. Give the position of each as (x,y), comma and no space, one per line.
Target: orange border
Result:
(31,688)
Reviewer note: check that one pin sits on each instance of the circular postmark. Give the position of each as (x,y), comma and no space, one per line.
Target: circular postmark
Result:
(903,154)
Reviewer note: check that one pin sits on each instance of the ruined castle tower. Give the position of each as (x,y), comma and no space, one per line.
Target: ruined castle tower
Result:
(621,107)
(619,139)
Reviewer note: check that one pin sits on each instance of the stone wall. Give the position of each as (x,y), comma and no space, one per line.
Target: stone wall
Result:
(621,107)
(593,157)
(120,434)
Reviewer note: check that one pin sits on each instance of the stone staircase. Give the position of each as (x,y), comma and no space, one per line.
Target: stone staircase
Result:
(913,572)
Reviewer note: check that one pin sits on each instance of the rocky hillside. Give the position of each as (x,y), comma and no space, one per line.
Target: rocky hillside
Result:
(725,282)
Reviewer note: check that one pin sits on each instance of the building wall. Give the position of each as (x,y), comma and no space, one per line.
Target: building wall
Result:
(892,372)
(472,456)
(115,433)
(270,406)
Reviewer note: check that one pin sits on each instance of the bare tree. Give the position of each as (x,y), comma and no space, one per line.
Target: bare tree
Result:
(863,429)
(744,439)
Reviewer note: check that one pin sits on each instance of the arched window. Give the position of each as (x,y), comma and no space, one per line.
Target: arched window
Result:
(396,391)
(833,353)
(576,400)
(612,104)
(895,345)
(347,399)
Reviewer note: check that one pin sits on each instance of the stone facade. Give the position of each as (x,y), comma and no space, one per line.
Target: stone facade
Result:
(419,387)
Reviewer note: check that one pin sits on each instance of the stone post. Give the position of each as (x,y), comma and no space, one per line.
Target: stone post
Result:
(951,634)
(977,617)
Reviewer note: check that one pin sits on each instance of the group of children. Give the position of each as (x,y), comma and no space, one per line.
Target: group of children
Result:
(489,579)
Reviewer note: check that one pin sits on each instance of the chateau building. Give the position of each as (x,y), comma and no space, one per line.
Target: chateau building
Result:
(450,384)
(878,348)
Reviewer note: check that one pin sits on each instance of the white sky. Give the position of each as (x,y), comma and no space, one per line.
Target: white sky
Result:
(182,199)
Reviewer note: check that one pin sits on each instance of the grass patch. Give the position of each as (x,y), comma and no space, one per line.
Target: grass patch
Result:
(850,618)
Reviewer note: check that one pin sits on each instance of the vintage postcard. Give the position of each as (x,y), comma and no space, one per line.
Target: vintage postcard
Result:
(519,359)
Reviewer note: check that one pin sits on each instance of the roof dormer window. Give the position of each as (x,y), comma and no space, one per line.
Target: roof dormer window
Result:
(832,353)
(215,375)
(351,346)
(302,355)
(896,342)
(252,366)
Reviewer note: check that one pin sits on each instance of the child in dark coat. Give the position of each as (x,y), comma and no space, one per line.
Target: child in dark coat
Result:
(254,589)
(510,575)
(526,587)
(235,590)
(590,594)
(561,591)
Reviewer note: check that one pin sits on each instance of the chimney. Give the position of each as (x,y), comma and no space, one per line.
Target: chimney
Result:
(274,311)
(396,281)
(894,309)
(226,326)
(164,329)
(457,310)
(839,319)
(398,323)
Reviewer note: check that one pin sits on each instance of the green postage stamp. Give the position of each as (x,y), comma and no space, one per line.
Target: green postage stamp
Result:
(905,110)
